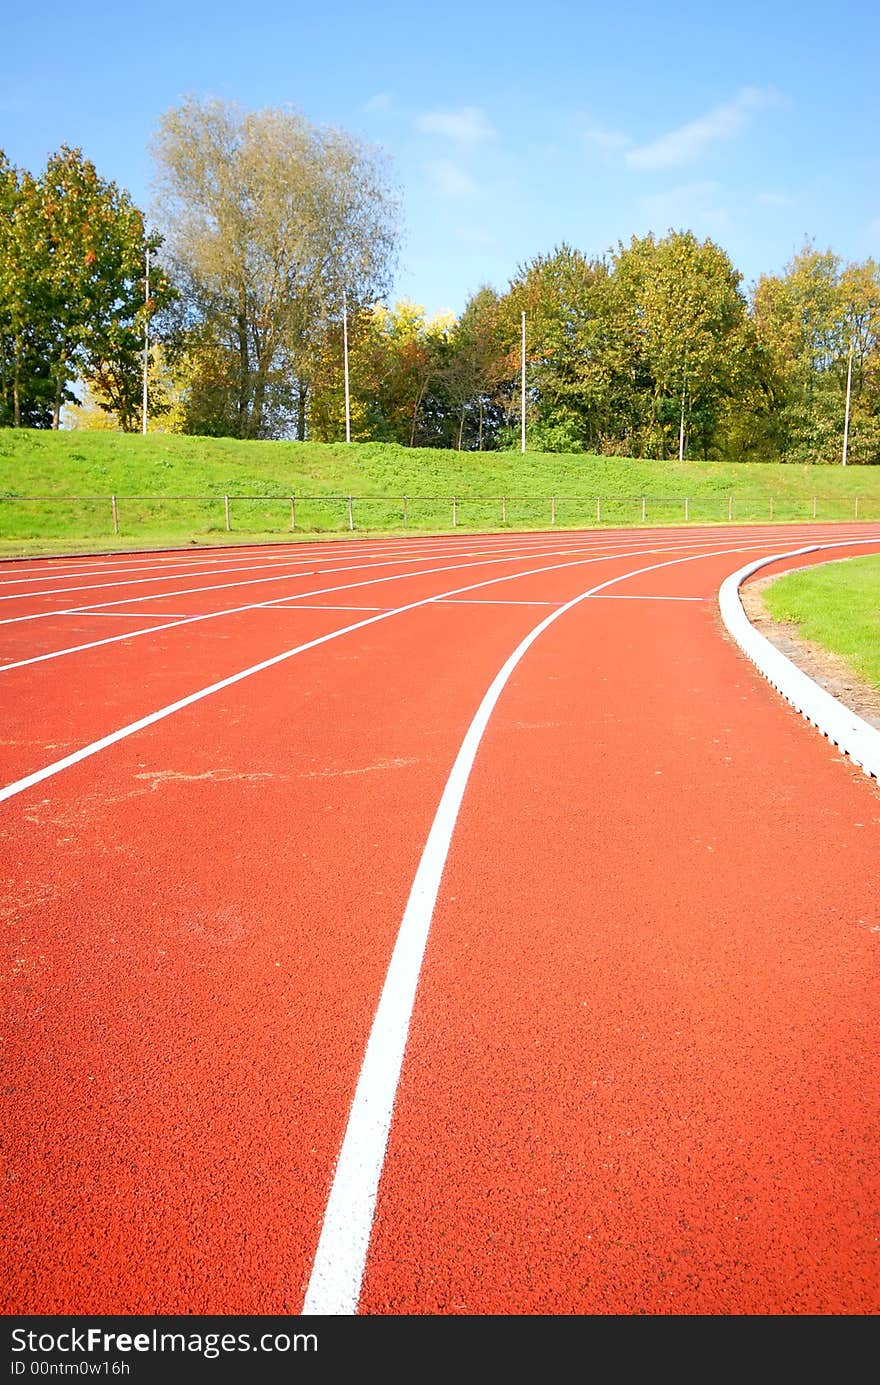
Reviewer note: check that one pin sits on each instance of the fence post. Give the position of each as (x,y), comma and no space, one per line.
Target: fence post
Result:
(350,514)
(115,514)
(226,511)
(553,509)
(598,510)
(454,513)
(857,507)
(504,509)
(729,508)
(814,507)
(293,512)
(644,509)
(405,512)
(771,507)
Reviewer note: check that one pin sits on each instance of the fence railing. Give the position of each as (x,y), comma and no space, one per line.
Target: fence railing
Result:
(43,515)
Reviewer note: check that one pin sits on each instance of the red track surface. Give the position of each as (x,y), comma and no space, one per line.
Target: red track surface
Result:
(642,1073)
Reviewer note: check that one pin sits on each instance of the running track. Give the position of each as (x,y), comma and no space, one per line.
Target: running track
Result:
(625,899)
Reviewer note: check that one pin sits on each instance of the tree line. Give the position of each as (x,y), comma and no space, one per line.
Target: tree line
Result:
(275,246)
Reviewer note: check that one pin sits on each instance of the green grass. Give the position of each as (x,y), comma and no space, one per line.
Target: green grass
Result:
(55,490)
(835,605)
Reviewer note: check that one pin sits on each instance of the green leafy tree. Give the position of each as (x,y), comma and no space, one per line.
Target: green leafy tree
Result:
(398,357)
(807,320)
(269,220)
(564,297)
(475,376)
(94,286)
(72,293)
(687,326)
(25,327)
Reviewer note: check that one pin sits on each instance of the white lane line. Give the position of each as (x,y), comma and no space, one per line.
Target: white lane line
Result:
(172,566)
(238,610)
(283,577)
(242,561)
(642,544)
(86,614)
(276,601)
(318,591)
(454,601)
(326,606)
(336,1279)
(147,581)
(182,568)
(37,777)
(558,545)
(273,562)
(618,596)
(203,558)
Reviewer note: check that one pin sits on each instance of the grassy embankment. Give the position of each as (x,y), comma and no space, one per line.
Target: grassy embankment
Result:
(56,488)
(835,605)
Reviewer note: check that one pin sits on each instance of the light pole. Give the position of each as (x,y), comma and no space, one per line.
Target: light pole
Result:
(146,343)
(522,425)
(683,396)
(345,366)
(848,394)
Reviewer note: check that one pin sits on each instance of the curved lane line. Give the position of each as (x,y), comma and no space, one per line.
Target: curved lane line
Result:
(99,608)
(225,586)
(842,726)
(340,1259)
(29,780)
(369,558)
(96,610)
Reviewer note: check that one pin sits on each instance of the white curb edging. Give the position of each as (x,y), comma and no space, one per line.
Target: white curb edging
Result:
(842,726)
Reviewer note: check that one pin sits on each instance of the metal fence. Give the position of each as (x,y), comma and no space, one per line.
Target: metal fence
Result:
(45,515)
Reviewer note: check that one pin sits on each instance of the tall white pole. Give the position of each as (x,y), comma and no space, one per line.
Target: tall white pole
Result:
(681,427)
(146,345)
(345,366)
(848,394)
(522,425)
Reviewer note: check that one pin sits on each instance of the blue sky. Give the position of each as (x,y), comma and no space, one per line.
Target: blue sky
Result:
(508,128)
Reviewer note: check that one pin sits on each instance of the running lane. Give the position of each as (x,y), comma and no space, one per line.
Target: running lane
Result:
(103,678)
(199,919)
(643,1051)
(637,1076)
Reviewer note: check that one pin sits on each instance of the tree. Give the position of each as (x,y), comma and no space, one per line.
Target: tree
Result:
(269,219)
(688,329)
(807,320)
(859,293)
(564,298)
(476,371)
(72,302)
(25,334)
(94,411)
(398,356)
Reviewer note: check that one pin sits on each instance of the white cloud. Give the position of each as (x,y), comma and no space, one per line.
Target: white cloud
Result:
(608,141)
(692,205)
(691,141)
(380,102)
(450,180)
(475,235)
(468,125)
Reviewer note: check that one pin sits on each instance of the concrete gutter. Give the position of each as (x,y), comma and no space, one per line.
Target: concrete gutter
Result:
(853,735)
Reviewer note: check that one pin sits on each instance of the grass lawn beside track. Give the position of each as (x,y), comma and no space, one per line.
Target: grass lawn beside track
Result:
(56,488)
(835,605)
